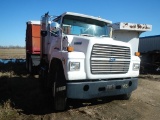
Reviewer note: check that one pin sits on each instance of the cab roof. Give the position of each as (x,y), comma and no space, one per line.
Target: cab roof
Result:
(86,16)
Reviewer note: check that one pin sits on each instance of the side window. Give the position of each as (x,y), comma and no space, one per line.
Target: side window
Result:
(66,28)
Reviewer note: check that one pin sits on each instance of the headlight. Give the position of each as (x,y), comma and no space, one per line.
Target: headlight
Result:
(74,66)
(136,66)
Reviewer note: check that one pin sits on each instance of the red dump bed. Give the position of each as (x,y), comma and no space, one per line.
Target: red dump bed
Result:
(33,37)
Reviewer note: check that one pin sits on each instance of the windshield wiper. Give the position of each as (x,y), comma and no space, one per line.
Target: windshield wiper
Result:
(89,35)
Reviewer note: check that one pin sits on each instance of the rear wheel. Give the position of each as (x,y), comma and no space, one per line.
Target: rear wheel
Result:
(30,65)
(27,63)
(43,75)
(58,85)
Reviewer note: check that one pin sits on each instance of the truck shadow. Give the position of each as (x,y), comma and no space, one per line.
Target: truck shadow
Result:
(27,97)
(23,90)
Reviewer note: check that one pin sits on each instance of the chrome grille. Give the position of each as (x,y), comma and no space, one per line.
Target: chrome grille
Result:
(109,59)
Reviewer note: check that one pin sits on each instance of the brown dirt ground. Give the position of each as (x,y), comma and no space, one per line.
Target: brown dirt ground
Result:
(22,98)
(143,105)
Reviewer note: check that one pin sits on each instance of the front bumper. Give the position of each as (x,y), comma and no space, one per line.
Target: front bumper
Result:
(96,89)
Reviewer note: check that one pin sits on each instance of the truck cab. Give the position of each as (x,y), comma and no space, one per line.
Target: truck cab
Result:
(85,57)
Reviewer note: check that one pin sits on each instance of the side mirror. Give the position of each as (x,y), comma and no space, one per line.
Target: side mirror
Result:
(55,29)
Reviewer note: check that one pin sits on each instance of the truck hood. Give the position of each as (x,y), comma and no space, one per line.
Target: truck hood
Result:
(84,43)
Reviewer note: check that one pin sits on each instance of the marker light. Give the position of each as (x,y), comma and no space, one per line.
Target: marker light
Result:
(137,53)
(70,48)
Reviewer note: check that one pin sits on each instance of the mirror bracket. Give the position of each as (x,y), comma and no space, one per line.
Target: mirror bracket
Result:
(43,33)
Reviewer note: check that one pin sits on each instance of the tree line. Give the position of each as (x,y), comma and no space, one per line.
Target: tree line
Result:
(12,47)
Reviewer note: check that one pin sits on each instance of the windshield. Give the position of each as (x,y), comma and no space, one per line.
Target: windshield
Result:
(76,25)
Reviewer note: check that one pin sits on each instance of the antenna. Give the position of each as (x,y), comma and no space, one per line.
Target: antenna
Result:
(46,14)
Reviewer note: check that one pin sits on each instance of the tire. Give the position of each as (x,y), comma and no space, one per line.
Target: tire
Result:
(30,66)
(58,85)
(27,63)
(43,76)
(126,96)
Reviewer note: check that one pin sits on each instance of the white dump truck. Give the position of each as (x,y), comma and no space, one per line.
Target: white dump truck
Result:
(85,57)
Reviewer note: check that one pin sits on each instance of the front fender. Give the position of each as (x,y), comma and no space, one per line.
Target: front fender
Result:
(68,57)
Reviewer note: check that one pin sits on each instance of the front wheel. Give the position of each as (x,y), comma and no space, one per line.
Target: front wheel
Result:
(126,96)
(58,85)
(59,97)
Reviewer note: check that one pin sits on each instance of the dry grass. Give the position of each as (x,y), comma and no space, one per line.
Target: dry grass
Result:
(21,96)
(9,53)
(7,112)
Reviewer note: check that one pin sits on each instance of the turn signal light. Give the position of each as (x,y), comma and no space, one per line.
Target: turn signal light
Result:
(137,53)
(70,48)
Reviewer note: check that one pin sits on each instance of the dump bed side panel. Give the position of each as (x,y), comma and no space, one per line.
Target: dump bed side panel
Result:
(33,38)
